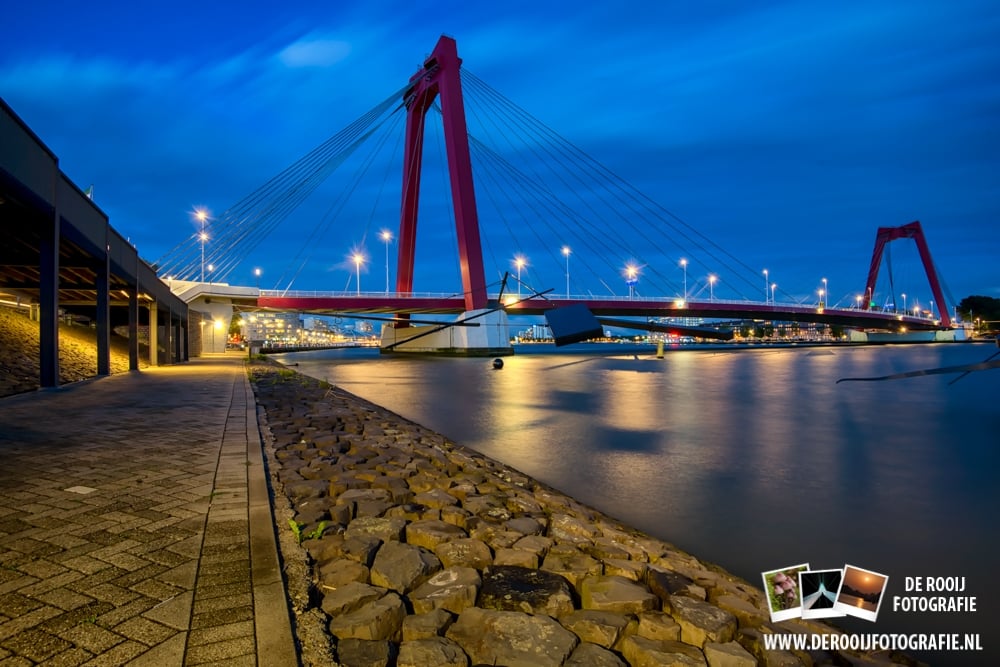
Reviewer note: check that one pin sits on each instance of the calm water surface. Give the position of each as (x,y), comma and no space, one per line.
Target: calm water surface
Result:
(753,459)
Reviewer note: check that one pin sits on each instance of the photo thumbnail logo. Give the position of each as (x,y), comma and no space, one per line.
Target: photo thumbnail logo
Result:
(799,592)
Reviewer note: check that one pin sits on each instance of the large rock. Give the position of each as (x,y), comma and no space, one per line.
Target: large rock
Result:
(569,528)
(432,532)
(465,552)
(665,583)
(747,615)
(592,655)
(435,498)
(403,567)
(350,597)
(513,588)
(436,651)
(642,652)
(425,626)
(701,622)
(729,654)
(385,528)
(603,628)
(512,638)
(518,557)
(453,589)
(574,565)
(365,653)
(377,620)
(616,594)
(335,573)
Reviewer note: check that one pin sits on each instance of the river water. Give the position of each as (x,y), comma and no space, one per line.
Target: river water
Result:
(754,459)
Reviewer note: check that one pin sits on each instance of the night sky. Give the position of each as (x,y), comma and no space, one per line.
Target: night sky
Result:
(786,132)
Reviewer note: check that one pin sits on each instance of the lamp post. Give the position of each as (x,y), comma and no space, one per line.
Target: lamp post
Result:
(773,286)
(202,216)
(631,278)
(358,259)
(519,262)
(211,267)
(904,303)
(766,281)
(256,273)
(684,265)
(386,237)
(821,294)
(566,252)
(932,310)
(858,300)
(826,291)
(711,287)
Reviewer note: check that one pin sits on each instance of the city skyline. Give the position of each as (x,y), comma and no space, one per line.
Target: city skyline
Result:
(785,133)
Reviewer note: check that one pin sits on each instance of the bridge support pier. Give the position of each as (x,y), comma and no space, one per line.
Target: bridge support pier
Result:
(490,339)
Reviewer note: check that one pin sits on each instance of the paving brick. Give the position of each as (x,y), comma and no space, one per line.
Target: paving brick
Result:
(221,633)
(145,631)
(35,645)
(215,653)
(92,637)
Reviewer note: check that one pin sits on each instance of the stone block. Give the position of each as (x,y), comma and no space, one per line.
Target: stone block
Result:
(437,651)
(465,552)
(592,655)
(424,626)
(430,533)
(730,654)
(511,638)
(402,567)
(350,597)
(642,652)
(512,588)
(452,589)
(335,573)
(365,653)
(518,557)
(380,619)
(572,564)
(604,628)
(701,622)
(385,528)
(658,625)
(617,594)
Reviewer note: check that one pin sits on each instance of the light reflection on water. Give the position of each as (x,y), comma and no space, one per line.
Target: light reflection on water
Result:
(754,459)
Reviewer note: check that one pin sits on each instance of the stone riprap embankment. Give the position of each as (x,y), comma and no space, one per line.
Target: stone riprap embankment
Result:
(77,353)
(424,553)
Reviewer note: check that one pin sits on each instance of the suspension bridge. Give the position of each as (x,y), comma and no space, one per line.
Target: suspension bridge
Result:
(631,257)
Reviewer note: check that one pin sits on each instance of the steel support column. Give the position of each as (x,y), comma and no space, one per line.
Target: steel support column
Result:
(103,318)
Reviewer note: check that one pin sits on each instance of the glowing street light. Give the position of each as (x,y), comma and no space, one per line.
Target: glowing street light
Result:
(904,303)
(358,261)
(386,237)
(631,278)
(766,281)
(826,290)
(821,294)
(256,273)
(520,262)
(773,286)
(211,267)
(711,286)
(859,297)
(566,252)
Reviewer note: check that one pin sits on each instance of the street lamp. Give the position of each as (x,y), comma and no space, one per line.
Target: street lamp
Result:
(566,252)
(932,310)
(519,262)
(358,260)
(773,286)
(684,265)
(711,286)
(631,278)
(765,287)
(256,273)
(821,294)
(386,237)
(826,291)
(202,216)
(211,267)
(904,303)
(859,297)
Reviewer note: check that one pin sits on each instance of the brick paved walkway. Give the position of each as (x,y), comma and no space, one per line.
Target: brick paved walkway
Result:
(135,524)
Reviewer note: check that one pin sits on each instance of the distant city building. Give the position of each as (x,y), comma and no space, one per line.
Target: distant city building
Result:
(272,328)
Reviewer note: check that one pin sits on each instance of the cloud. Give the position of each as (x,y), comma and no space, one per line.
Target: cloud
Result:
(314,52)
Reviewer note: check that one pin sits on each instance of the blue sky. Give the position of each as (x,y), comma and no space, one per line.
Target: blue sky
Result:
(786,132)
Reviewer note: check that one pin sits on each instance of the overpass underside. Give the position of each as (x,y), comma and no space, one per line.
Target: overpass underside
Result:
(61,258)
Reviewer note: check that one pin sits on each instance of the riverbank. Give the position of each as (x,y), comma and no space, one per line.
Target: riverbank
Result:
(418,551)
